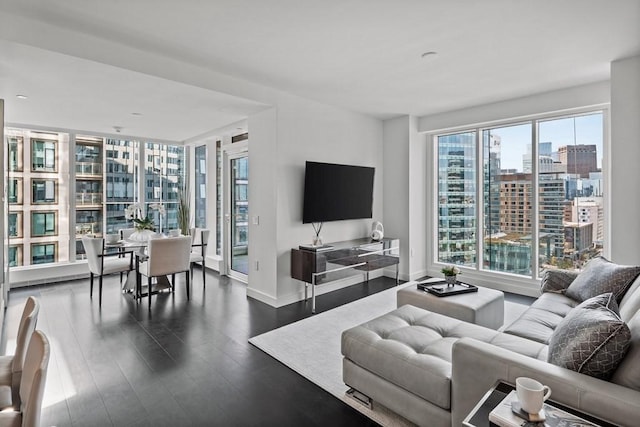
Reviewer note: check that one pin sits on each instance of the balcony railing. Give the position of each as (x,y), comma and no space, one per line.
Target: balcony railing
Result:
(89,168)
(83,199)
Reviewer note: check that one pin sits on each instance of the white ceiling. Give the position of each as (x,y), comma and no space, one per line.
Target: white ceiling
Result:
(362,55)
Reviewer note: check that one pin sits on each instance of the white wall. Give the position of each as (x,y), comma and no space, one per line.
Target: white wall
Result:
(263,190)
(419,181)
(548,102)
(304,130)
(405,171)
(625,155)
(396,185)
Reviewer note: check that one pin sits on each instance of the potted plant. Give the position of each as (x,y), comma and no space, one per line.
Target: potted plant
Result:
(451,274)
(144,224)
(184,209)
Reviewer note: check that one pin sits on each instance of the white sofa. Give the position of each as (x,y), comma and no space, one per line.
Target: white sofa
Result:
(432,369)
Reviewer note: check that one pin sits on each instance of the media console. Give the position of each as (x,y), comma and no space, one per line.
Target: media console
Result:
(333,261)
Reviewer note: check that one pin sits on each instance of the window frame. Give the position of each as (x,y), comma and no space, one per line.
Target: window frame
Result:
(509,281)
(35,181)
(55,252)
(54,230)
(44,169)
(19,224)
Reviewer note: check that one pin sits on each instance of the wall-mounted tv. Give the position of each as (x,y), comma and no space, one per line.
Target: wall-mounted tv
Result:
(335,192)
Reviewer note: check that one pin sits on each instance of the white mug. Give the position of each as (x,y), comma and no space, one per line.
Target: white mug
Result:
(531,394)
(174,233)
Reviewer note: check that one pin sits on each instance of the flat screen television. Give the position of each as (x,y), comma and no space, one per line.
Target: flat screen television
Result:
(335,192)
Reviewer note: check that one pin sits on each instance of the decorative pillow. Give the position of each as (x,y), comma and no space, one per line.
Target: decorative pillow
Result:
(600,276)
(591,339)
(557,281)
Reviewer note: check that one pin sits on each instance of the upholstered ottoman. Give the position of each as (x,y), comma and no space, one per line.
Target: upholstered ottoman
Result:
(484,308)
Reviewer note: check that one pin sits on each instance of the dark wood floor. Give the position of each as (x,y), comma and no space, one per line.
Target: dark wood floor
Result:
(184,363)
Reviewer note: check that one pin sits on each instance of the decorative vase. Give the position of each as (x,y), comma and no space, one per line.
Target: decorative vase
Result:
(451,280)
(142,235)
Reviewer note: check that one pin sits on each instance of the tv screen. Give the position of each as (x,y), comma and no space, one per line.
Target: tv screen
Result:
(335,192)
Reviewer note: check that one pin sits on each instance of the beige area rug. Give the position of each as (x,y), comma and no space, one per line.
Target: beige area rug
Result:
(311,346)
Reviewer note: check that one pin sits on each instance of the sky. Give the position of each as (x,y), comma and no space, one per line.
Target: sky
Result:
(560,132)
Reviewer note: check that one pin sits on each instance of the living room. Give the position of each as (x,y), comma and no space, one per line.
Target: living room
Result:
(290,123)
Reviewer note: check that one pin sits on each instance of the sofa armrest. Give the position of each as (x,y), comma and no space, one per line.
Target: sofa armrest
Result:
(557,281)
(477,366)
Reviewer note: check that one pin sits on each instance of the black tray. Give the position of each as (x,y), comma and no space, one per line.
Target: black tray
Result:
(443,289)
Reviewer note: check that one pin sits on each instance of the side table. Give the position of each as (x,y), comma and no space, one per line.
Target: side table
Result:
(479,415)
(484,308)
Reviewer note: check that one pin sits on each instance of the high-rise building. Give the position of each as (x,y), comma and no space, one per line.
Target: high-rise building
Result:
(492,174)
(589,210)
(457,199)
(89,188)
(38,212)
(578,238)
(580,159)
(516,211)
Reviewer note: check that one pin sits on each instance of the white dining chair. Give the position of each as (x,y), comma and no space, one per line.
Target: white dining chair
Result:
(165,256)
(11,365)
(125,233)
(101,263)
(25,411)
(200,239)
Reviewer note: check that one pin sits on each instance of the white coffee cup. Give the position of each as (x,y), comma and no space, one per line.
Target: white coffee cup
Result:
(531,394)
(112,238)
(174,232)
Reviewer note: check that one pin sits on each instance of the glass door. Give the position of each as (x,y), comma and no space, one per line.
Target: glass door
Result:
(238,216)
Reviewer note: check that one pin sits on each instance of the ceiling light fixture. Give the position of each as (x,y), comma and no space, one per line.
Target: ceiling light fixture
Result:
(118,129)
(136,114)
(22,96)
(428,54)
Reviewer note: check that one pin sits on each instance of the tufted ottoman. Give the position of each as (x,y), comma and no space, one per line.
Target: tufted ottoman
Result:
(403,360)
(485,307)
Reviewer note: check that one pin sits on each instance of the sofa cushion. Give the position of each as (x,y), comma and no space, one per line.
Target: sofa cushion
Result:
(543,316)
(591,339)
(557,281)
(630,303)
(411,348)
(601,276)
(628,372)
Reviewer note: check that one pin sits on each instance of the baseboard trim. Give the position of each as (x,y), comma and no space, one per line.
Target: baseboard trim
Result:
(262,297)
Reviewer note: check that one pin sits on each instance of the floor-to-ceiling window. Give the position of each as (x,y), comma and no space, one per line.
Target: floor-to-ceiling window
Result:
(540,184)
(219,224)
(121,181)
(507,192)
(103,175)
(200,186)
(38,166)
(457,198)
(163,177)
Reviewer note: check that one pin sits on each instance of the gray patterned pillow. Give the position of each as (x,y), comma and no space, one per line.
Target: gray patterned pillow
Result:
(601,276)
(591,339)
(557,281)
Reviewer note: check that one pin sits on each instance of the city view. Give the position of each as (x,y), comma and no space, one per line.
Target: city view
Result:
(556,200)
(106,175)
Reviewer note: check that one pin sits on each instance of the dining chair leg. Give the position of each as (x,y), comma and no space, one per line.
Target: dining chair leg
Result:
(90,285)
(204,280)
(100,296)
(149,292)
(188,286)
(173,282)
